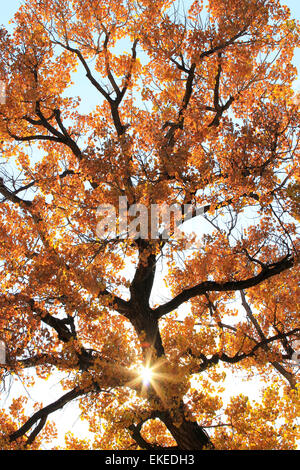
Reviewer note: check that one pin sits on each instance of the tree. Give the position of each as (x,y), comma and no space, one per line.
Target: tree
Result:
(200,112)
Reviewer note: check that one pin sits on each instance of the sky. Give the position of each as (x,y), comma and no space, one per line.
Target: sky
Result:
(67,417)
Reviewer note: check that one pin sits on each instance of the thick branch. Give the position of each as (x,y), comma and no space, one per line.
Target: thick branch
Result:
(135,431)
(225,44)
(189,435)
(59,325)
(89,74)
(11,196)
(223,357)
(288,376)
(213,286)
(40,417)
(173,126)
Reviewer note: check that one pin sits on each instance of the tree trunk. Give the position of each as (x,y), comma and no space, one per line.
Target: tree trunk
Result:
(145,322)
(188,435)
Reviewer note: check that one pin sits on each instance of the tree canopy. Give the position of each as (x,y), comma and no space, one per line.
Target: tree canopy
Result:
(159,103)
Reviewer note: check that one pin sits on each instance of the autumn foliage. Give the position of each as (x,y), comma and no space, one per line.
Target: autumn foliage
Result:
(160,102)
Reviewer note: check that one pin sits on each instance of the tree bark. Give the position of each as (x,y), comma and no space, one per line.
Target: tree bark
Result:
(188,435)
